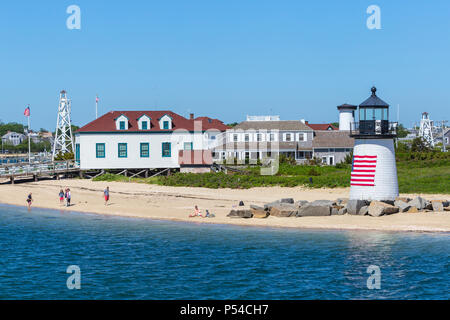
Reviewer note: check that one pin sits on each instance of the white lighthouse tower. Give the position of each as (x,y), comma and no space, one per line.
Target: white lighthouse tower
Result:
(374,173)
(346,116)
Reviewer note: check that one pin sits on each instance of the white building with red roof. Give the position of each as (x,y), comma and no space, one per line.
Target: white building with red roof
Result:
(144,140)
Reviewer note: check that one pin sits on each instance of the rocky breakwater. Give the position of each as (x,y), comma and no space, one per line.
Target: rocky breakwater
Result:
(288,208)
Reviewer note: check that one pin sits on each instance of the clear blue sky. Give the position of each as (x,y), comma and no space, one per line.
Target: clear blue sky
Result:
(224,59)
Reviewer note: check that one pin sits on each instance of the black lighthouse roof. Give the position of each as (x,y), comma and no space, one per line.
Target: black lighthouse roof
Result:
(373,101)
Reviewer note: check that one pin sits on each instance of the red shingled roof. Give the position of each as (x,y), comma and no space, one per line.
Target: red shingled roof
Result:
(321,126)
(106,123)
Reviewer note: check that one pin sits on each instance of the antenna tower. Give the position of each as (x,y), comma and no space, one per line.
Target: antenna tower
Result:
(63,135)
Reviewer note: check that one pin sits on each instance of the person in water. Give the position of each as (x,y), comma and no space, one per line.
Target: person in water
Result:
(61,196)
(197,213)
(106,194)
(29,200)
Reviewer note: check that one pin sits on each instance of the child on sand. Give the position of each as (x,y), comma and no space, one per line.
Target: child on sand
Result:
(197,213)
(106,194)
(61,196)
(29,200)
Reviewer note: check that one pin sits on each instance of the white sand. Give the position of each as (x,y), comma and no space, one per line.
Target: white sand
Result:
(176,203)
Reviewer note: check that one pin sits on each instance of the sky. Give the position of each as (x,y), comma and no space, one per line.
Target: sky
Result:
(224,59)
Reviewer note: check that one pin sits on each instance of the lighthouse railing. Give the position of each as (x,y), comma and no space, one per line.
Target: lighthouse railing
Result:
(373,127)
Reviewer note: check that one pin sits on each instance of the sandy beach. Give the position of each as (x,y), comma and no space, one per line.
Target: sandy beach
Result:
(176,203)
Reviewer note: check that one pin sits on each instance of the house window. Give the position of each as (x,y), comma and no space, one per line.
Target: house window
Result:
(247,138)
(122,125)
(122,150)
(100,150)
(272,137)
(144,125)
(77,153)
(166,149)
(259,137)
(324,160)
(235,138)
(145,150)
(188,146)
(301,137)
(166,125)
(288,137)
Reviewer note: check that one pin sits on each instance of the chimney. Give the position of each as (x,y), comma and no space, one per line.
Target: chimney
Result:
(191,116)
(306,122)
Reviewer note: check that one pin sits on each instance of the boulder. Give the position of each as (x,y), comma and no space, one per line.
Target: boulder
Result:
(283,210)
(342,201)
(437,205)
(301,203)
(353,206)
(260,214)
(342,211)
(413,210)
(311,210)
(334,211)
(446,208)
(404,199)
(391,202)
(364,211)
(269,206)
(402,205)
(240,214)
(287,200)
(379,208)
(323,203)
(255,207)
(419,202)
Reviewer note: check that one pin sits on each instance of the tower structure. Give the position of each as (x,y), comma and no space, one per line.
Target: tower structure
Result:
(63,135)
(426,129)
(346,116)
(374,172)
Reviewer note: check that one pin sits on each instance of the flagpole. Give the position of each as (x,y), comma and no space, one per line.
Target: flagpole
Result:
(29,140)
(96,108)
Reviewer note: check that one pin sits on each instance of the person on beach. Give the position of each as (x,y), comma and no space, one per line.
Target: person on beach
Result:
(61,196)
(209,215)
(68,197)
(106,194)
(197,213)
(29,200)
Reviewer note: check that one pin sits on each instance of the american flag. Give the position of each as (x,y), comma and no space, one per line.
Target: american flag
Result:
(26,113)
(363,171)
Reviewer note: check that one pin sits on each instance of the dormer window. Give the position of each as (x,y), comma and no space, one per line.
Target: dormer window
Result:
(122,123)
(165,122)
(144,122)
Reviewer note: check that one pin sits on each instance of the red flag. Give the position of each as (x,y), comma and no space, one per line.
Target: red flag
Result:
(27,112)
(96,99)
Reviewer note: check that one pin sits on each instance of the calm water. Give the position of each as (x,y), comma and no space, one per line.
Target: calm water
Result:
(141,259)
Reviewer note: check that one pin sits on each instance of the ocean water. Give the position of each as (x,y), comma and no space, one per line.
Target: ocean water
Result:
(144,259)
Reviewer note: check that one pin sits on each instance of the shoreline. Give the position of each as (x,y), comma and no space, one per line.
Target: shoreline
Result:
(135,200)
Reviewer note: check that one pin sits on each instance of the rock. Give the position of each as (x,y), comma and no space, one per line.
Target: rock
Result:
(283,210)
(301,203)
(334,211)
(342,211)
(342,201)
(311,210)
(446,208)
(437,205)
(413,210)
(391,202)
(419,202)
(353,206)
(446,203)
(364,211)
(404,199)
(260,214)
(323,203)
(428,206)
(402,205)
(269,206)
(255,207)
(287,200)
(240,214)
(379,208)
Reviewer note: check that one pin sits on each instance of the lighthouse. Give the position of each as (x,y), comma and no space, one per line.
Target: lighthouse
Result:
(374,173)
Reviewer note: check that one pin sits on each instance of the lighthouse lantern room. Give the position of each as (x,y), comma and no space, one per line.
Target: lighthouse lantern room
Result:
(374,173)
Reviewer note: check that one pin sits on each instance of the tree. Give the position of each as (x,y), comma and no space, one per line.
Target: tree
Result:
(336,124)
(234,124)
(11,126)
(420,145)
(402,132)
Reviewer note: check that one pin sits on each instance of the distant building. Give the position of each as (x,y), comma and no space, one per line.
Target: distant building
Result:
(332,146)
(321,126)
(439,137)
(13,138)
(143,139)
